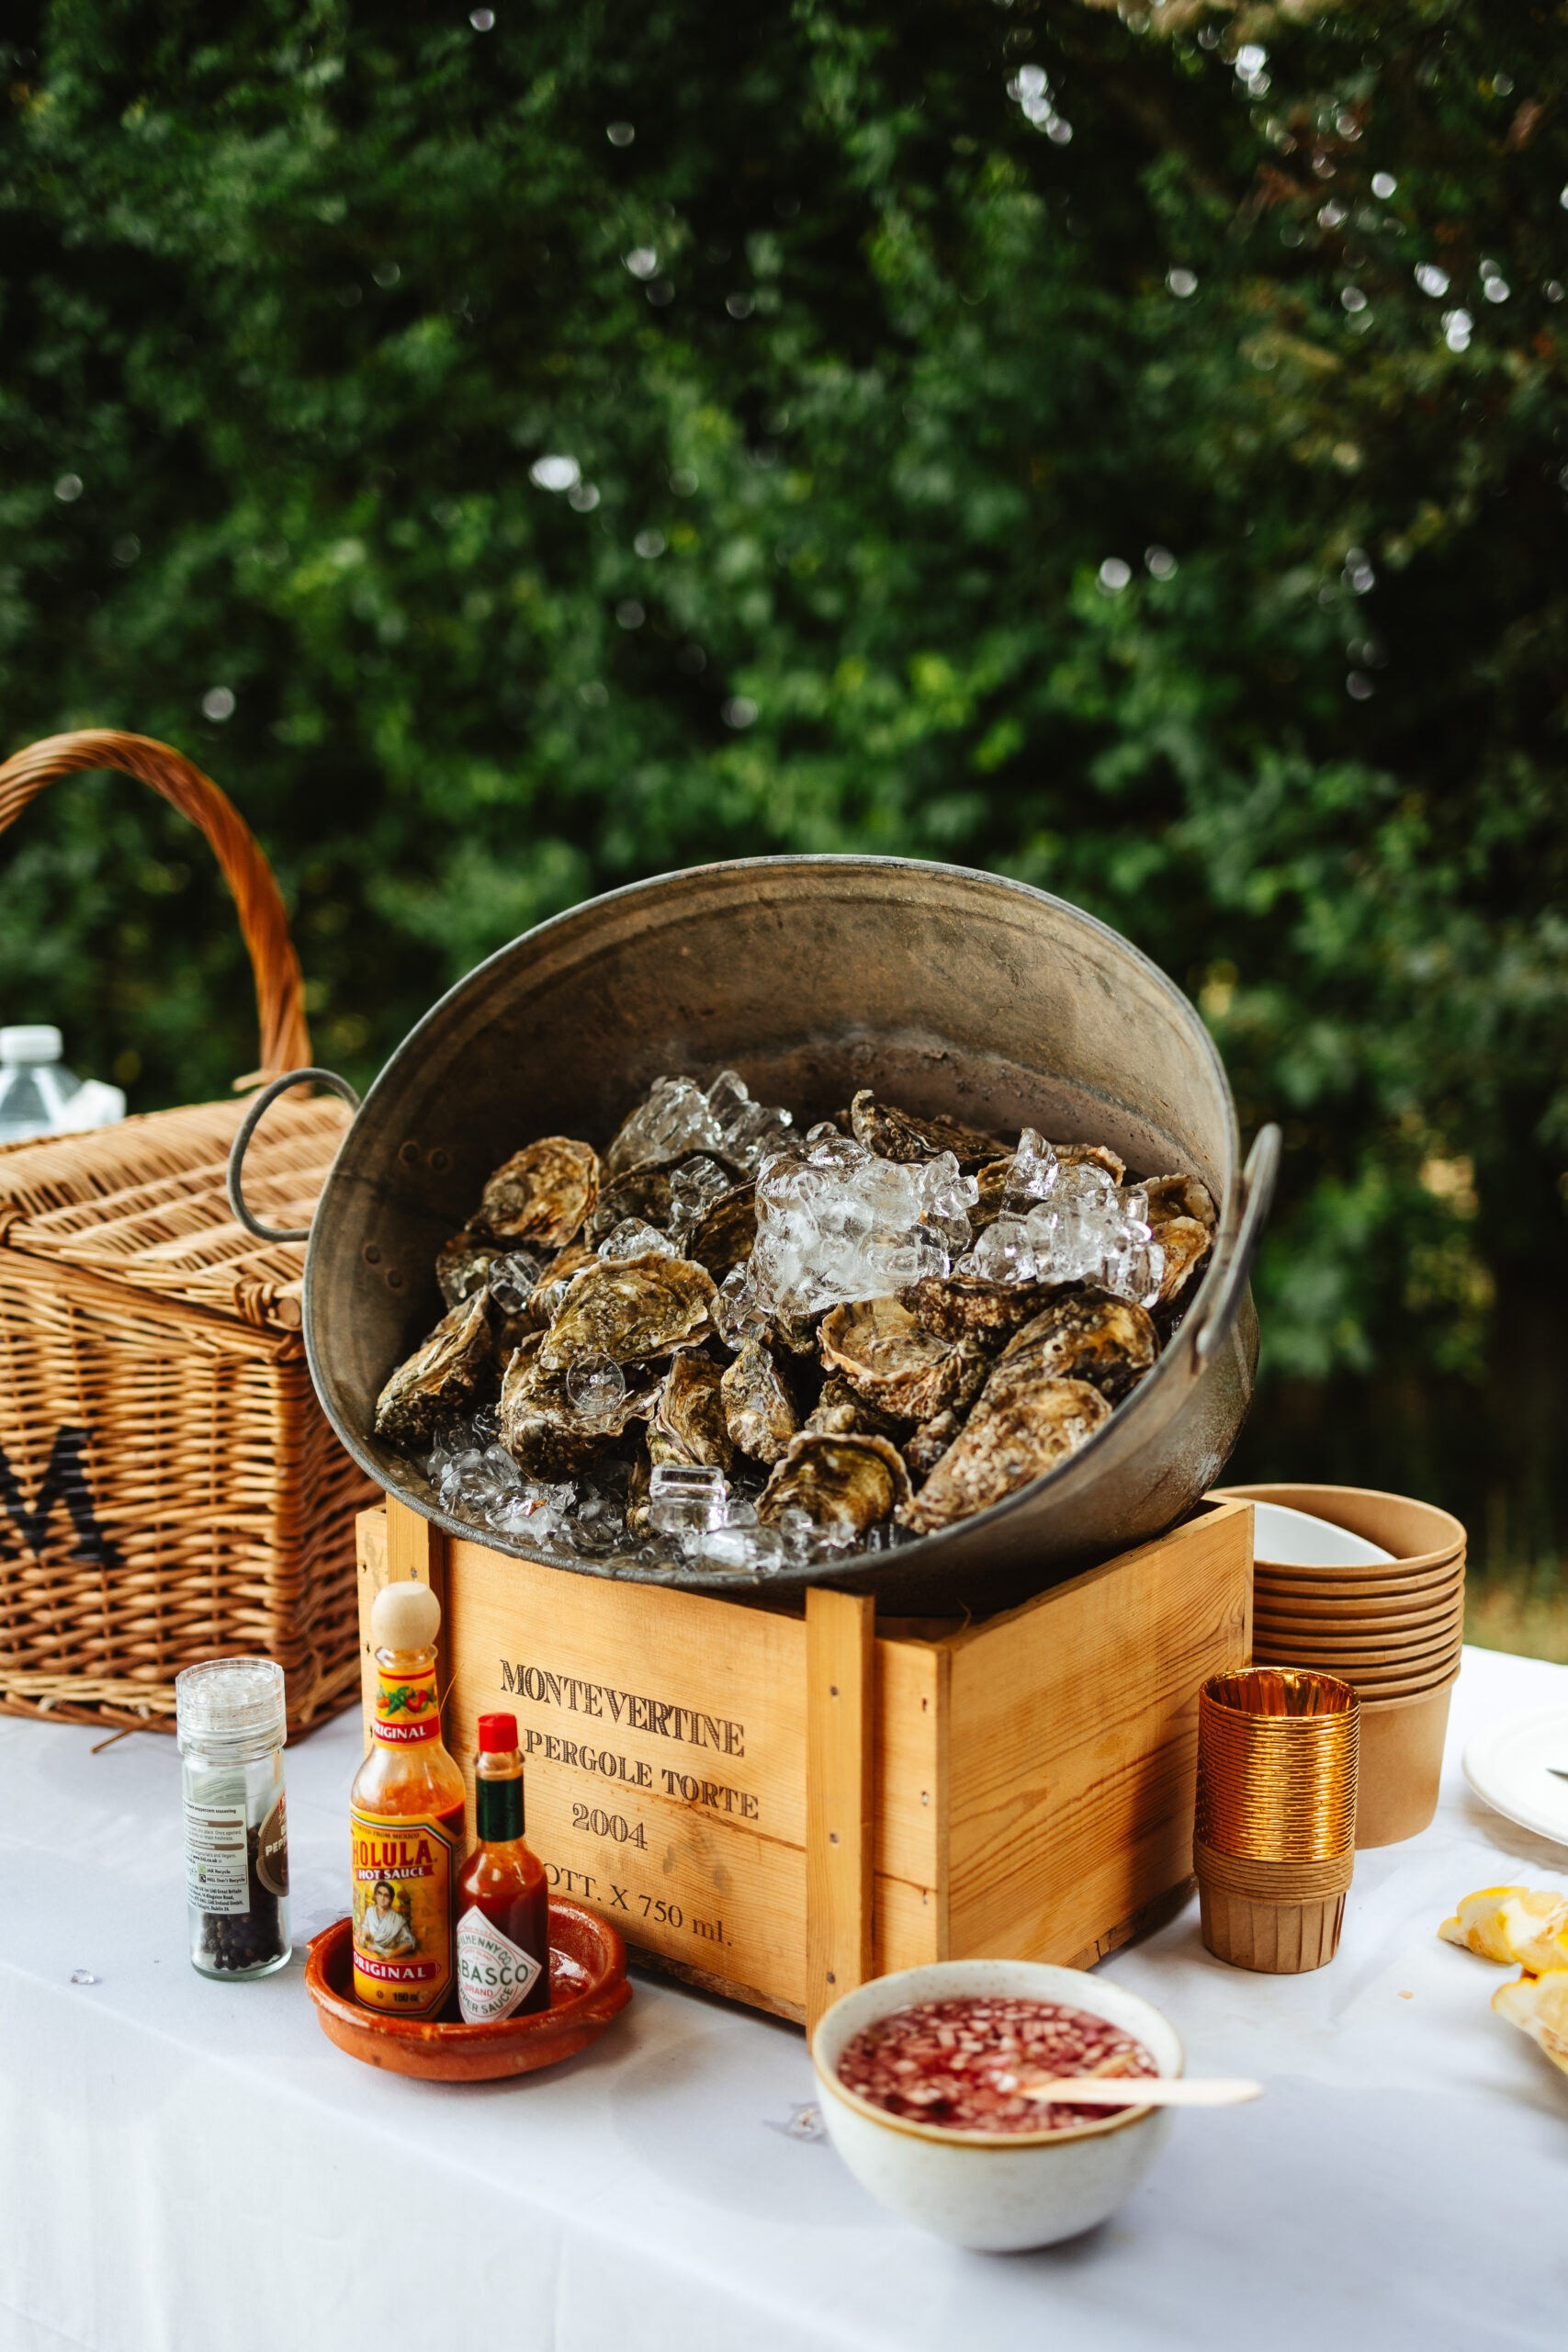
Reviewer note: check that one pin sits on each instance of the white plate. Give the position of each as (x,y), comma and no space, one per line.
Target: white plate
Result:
(1294,1539)
(1506,1765)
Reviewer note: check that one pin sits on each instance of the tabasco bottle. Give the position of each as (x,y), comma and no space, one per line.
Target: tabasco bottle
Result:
(502,1903)
(407,1808)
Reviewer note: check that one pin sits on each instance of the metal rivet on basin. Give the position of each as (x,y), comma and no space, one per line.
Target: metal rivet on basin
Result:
(372,1254)
(439,1158)
(394,1278)
(407,1153)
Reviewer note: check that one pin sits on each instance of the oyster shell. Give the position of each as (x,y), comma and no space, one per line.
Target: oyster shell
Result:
(796,1333)
(689,1422)
(549,1291)
(543,1430)
(1183,1220)
(630,1308)
(1087,1335)
(542,1195)
(722,1239)
(448,1371)
(1076,1155)
(898,1135)
(1186,1244)
(759,1410)
(854,1483)
(1174,1196)
(925,1448)
(1009,1440)
(462,1264)
(961,1306)
(839,1412)
(881,1350)
(644,1195)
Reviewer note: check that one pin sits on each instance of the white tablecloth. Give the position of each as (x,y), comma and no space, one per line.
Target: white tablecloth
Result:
(186,2165)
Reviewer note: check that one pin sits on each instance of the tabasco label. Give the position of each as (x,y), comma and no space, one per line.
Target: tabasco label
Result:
(406,1710)
(403,1868)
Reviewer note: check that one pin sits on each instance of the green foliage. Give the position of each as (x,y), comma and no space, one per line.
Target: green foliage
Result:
(1118,511)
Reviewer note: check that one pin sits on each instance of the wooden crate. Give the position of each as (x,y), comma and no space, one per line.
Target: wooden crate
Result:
(776,1807)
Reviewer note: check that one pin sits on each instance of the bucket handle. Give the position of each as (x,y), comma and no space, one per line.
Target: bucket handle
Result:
(247,1128)
(1257,1181)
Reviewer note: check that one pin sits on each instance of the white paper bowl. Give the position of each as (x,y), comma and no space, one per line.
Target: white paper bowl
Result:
(996,2192)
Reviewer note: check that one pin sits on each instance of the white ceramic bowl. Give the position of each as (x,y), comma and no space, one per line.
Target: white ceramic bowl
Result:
(997,2192)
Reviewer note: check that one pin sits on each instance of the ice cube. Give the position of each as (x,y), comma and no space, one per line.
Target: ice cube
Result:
(695,1189)
(513,1279)
(687,1494)
(633,1237)
(838,1222)
(754,1550)
(1033,1174)
(594,1386)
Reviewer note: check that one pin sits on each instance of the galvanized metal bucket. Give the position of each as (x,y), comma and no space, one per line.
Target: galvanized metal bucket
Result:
(944,989)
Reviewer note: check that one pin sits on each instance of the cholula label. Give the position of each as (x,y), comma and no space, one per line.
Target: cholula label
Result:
(494,1975)
(406,1711)
(403,1867)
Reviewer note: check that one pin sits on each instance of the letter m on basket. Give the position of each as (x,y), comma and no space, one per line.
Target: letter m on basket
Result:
(64,1481)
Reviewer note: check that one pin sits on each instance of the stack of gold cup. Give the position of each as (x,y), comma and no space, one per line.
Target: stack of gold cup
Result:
(1275,1843)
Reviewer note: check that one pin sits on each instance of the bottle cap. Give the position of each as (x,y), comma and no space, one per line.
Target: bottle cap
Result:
(498,1735)
(31,1041)
(405,1617)
(230,1709)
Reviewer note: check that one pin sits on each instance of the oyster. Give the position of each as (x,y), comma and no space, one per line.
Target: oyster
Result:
(759,1410)
(644,1195)
(1177,1196)
(839,1412)
(549,1291)
(1027,1429)
(1094,1155)
(689,1422)
(898,1135)
(930,1443)
(993,1180)
(796,1333)
(722,1238)
(462,1264)
(852,1482)
(1182,1218)
(963,1307)
(630,1307)
(544,1432)
(1088,1335)
(450,1371)
(881,1350)
(542,1195)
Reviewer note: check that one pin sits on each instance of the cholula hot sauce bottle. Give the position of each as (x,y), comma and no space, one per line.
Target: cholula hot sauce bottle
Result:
(503,1905)
(407,1809)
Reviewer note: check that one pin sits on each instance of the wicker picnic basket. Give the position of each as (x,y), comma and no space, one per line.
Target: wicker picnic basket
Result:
(169,1488)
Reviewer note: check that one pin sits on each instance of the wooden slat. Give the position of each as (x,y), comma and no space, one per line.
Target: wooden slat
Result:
(840,1724)
(1074,1743)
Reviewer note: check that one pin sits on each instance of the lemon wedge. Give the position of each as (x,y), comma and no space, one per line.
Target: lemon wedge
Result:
(1538,2005)
(1526,1927)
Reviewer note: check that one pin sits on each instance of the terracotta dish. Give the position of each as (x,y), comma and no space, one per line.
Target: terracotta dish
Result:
(588,1989)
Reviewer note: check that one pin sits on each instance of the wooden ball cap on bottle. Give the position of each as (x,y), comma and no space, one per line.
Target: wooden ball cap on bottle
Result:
(405,1617)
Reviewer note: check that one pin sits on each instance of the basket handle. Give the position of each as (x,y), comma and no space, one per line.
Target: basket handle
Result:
(247,1128)
(280,991)
(1257,1181)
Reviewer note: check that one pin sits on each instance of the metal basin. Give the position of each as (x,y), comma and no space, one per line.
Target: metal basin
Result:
(947,991)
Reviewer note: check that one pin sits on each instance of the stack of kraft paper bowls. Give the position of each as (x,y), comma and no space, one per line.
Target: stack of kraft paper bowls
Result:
(1392,1628)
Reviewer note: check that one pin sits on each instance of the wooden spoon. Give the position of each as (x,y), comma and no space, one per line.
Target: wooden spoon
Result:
(1133,2090)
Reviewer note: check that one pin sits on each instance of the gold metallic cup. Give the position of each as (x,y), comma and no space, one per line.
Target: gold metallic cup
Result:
(1275,1842)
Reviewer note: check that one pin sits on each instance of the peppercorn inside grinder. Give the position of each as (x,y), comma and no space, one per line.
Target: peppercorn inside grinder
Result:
(232,1723)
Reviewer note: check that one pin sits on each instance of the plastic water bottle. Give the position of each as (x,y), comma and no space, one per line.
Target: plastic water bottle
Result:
(39,1096)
